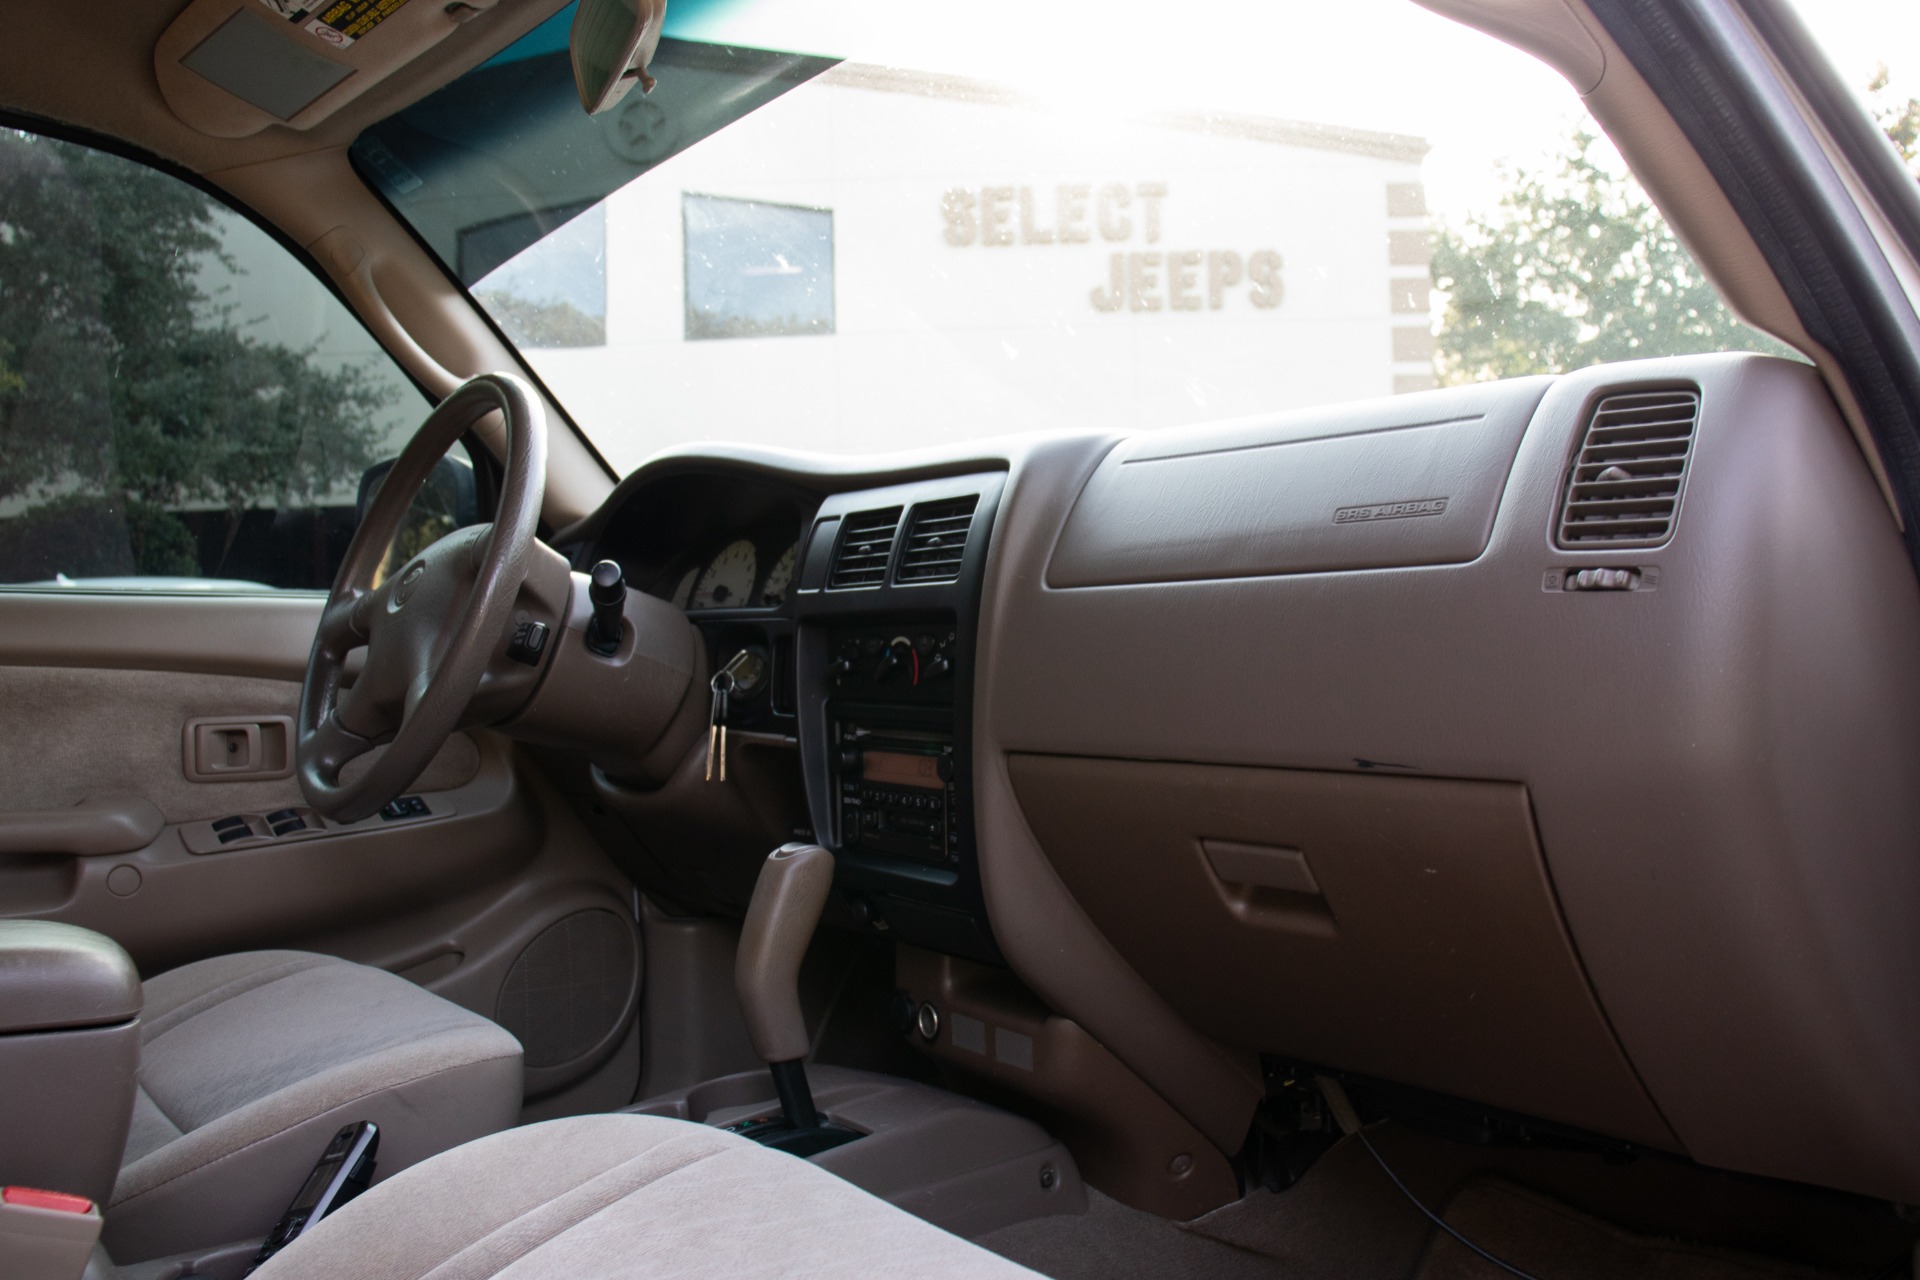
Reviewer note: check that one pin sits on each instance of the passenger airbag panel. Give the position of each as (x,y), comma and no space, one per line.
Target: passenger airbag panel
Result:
(1410,481)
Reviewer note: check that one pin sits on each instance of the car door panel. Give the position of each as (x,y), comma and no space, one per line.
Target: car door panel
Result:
(167,905)
(265,636)
(98,691)
(77,732)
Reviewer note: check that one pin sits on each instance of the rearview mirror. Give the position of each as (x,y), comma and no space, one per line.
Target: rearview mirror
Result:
(611,43)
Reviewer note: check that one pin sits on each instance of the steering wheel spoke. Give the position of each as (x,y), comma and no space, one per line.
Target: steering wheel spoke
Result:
(330,745)
(344,623)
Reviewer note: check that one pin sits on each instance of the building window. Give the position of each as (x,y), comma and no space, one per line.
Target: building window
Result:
(757,270)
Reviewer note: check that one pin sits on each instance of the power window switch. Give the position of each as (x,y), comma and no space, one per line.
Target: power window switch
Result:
(405,807)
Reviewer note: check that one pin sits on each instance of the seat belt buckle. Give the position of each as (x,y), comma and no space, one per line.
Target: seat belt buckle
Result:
(46,1235)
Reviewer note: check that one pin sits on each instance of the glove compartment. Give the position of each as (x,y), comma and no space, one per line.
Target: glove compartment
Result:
(1402,927)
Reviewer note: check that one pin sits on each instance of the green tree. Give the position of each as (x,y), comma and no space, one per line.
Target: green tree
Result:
(127,391)
(1901,119)
(1575,267)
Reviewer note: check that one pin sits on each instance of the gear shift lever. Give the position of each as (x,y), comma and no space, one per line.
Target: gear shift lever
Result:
(787,901)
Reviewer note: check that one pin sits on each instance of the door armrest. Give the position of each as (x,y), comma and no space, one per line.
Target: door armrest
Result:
(98,825)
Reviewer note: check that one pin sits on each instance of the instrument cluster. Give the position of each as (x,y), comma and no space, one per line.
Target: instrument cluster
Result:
(743,573)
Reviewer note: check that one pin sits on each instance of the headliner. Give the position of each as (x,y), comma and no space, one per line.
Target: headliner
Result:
(89,63)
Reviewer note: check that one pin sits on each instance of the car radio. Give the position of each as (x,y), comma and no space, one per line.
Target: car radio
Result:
(896,792)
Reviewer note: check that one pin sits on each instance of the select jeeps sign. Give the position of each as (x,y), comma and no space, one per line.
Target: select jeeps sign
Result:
(1138,277)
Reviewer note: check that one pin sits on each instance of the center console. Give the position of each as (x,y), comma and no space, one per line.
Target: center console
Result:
(886,609)
(69,1050)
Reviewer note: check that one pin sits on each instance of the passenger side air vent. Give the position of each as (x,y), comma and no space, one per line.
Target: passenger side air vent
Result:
(866,542)
(936,540)
(1625,487)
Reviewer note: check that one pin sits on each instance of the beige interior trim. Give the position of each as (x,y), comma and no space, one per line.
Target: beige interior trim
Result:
(1565,38)
(407,31)
(1046,935)
(345,259)
(119,823)
(268,636)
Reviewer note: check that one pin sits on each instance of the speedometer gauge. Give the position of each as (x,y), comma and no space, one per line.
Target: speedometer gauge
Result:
(683,591)
(773,591)
(727,582)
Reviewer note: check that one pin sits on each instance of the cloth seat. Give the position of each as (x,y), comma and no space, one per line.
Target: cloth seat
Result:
(251,1062)
(616,1196)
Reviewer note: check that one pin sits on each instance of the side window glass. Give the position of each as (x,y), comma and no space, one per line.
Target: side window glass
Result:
(183,405)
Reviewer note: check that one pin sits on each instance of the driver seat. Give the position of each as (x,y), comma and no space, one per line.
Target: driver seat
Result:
(249,1063)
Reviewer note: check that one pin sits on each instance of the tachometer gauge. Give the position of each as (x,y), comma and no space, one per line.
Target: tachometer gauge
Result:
(779,578)
(683,593)
(727,582)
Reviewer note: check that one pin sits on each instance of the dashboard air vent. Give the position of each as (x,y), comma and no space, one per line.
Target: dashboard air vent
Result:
(866,543)
(936,540)
(1625,486)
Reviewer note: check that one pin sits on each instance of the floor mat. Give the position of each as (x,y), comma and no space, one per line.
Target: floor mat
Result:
(1112,1242)
(1554,1242)
(1346,1221)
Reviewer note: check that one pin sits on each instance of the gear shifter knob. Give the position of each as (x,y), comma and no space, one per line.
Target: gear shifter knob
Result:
(787,901)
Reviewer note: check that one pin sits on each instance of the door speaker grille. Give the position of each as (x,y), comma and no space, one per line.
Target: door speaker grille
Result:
(568,988)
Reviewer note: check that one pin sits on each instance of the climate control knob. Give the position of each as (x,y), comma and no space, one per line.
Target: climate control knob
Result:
(896,660)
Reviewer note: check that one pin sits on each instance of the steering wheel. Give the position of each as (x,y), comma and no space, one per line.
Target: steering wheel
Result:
(431,629)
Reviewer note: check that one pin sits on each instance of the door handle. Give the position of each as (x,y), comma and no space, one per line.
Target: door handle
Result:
(99,825)
(232,748)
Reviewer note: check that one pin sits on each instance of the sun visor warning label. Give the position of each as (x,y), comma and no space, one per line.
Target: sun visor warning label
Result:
(337,22)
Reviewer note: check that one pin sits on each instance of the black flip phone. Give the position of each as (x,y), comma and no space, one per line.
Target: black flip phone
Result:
(345,1169)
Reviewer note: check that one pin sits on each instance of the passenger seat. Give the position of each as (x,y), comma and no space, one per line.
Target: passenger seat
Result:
(600,1197)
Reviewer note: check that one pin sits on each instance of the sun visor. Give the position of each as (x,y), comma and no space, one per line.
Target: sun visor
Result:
(230,68)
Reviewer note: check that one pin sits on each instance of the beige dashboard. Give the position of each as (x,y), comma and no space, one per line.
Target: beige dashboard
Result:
(1335,736)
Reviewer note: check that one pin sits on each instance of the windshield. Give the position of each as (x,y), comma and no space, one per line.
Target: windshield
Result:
(876,225)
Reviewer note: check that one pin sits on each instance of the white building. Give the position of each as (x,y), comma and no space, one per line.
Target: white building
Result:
(971,261)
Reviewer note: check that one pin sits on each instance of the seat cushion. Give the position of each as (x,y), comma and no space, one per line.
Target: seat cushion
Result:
(251,1062)
(597,1197)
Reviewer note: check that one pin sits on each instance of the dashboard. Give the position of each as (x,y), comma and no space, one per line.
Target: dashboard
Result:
(1548,743)
(846,617)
